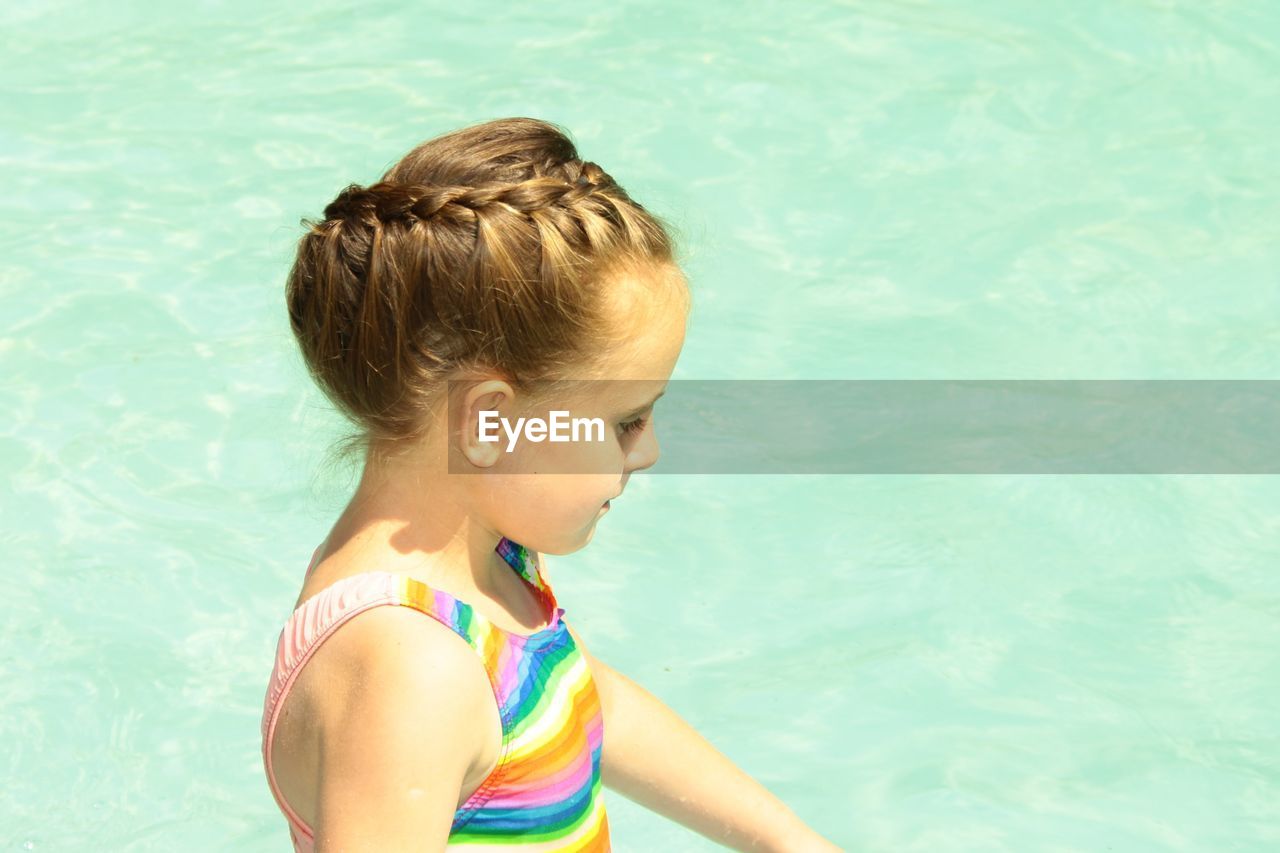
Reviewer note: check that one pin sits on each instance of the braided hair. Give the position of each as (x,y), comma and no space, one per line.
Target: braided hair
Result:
(492,246)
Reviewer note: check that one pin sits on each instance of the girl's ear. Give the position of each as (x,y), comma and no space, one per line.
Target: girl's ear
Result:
(478,432)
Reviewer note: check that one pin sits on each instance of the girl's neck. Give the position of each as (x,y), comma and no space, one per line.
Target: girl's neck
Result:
(497,591)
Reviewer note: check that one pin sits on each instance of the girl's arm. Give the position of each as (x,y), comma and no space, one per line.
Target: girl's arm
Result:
(652,756)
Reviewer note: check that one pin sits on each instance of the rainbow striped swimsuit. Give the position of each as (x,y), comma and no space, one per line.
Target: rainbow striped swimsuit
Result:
(545,792)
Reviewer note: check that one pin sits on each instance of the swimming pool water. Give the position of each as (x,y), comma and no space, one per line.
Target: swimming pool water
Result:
(875,190)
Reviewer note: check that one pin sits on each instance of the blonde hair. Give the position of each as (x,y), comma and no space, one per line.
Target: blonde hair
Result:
(491,246)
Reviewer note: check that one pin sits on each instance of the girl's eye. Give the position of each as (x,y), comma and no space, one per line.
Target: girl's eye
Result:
(634,426)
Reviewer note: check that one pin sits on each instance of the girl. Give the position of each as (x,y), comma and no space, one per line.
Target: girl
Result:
(488,271)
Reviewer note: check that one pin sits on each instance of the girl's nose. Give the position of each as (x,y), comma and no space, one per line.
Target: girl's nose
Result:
(644,453)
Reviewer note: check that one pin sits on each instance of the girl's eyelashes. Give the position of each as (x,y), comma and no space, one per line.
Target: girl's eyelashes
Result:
(633,426)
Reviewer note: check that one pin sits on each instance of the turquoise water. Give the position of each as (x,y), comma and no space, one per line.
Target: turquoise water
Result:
(874,190)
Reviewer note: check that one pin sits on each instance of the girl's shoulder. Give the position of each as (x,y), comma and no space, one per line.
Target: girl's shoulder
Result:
(382,673)
(383,627)
(404,642)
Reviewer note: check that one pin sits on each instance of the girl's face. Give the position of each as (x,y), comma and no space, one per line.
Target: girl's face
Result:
(555,512)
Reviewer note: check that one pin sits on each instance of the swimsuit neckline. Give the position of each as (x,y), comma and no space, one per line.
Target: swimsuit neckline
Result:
(521,561)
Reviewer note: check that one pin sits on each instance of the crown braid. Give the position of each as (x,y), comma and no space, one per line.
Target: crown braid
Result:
(386,202)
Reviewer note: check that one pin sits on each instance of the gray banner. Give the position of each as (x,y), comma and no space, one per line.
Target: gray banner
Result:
(966,426)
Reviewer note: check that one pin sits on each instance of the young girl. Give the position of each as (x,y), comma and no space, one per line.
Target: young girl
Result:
(489,265)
